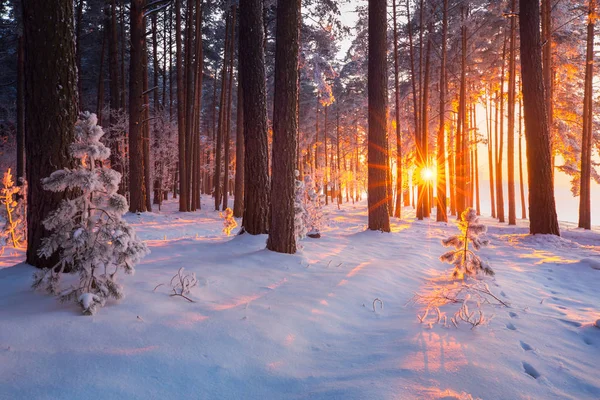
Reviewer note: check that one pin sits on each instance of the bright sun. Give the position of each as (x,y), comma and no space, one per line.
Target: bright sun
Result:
(427,174)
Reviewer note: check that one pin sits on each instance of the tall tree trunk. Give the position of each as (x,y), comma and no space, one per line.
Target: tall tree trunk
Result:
(227,141)
(398,207)
(379,218)
(20,109)
(222,116)
(196,183)
(510,150)
(490,152)
(78,50)
(137,202)
(338,183)
(182,173)
(585,205)
(282,236)
(155,66)
(521,185)
(100,94)
(116,158)
(548,71)
(325,173)
(238,203)
(426,184)
(50,77)
(500,149)
(146,132)
(441,214)
(542,207)
(123,81)
(462,134)
(190,67)
(252,68)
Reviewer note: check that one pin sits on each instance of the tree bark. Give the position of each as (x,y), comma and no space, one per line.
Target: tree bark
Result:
(282,236)
(542,207)
(585,205)
(441,214)
(379,219)
(510,150)
(252,68)
(137,201)
(183,181)
(238,203)
(398,206)
(227,136)
(50,76)
(20,110)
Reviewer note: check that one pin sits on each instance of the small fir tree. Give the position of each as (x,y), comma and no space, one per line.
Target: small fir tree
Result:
(300,213)
(465,261)
(313,203)
(229,223)
(88,232)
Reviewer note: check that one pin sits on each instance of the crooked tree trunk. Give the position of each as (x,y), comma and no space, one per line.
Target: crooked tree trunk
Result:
(542,207)
(50,77)
(379,219)
(252,69)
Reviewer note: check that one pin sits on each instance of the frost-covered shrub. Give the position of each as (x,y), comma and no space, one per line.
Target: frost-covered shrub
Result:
(229,223)
(300,213)
(10,211)
(88,232)
(465,261)
(313,204)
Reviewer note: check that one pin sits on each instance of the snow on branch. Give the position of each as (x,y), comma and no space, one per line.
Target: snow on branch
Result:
(465,261)
(88,231)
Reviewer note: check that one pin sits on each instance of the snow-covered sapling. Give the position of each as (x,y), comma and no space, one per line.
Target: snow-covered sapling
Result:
(9,210)
(88,231)
(465,261)
(300,213)
(313,203)
(229,223)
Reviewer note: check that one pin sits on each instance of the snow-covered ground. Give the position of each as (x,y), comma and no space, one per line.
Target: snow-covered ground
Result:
(273,326)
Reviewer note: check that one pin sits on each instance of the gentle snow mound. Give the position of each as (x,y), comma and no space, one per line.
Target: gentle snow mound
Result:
(593,263)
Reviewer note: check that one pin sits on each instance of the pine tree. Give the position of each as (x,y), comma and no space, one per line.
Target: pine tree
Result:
(88,233)
(465,261)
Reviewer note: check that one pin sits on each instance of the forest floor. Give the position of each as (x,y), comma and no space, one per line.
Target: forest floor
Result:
(270,326)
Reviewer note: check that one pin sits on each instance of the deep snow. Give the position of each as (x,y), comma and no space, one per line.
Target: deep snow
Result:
(273,326)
